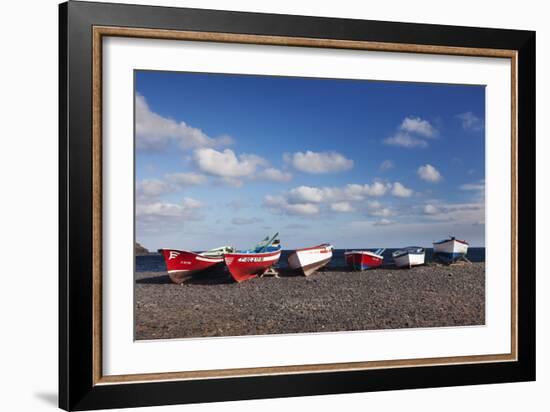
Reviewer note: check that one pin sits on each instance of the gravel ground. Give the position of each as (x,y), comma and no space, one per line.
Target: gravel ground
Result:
(386,298)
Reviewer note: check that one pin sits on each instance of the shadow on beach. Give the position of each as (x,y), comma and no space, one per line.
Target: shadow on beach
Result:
(215,278)
(218,277)
(290,273)
(224,278)
(210,279)
(155,280)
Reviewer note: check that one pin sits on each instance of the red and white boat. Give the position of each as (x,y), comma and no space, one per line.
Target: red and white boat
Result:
(363,259)
(248,264)
(181,264)
(308,260)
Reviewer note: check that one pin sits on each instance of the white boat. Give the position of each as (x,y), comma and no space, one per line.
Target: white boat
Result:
(450,250)
(409,256)
(310,259)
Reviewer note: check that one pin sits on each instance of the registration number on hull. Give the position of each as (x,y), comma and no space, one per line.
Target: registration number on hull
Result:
(251,259)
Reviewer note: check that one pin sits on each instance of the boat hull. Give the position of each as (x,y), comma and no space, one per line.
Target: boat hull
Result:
(245,266)
(409,260)
(308,260)
(450,251)
(182,264)
(363,260)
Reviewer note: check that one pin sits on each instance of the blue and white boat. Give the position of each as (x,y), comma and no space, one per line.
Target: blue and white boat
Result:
(409,256)
(450,250)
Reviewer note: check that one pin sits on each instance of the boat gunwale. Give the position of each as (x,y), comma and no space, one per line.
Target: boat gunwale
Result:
(274,252)
(409,250)
(440,242)
(220,256)
(321,246)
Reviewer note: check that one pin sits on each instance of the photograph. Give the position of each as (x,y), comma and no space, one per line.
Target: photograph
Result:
(268,205)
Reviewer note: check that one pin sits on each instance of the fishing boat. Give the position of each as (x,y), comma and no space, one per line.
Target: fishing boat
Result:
(409,256)
(364,259)
(450,250)
(181,264)
(308,260)
(248,264)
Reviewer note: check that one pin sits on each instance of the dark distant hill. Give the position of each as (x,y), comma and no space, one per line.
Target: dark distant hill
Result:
(140,250)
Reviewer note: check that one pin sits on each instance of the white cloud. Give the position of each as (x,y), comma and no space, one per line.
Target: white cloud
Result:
(231,181)
(357,191)
(460,213)
(375,208)
(152,188)
(386,165)
(156,188)
(163,217)
(155,132)
(347,193)
(412,133)
(429,173)
(418,126)
(400,190)
(186,209)
(245,220)
(474,186)
(374,204)
(303,209)
(307,200)
(233,169)
(187,179)
(306,194)
(296,226)
(377,189)
(382,212)
(319,162)
(279,205)
(431,209)
(275,175)
(470,121)
(343,207)
(383,222)
(227,163)
(405,140)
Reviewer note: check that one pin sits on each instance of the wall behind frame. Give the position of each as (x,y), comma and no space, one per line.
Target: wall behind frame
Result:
(28,206)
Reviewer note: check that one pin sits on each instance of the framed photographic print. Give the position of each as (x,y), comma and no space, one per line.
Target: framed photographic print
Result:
(259,205)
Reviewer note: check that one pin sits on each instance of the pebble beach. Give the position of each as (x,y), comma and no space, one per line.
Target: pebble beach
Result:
(334,300)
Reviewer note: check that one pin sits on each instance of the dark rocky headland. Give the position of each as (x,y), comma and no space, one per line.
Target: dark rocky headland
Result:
(140,250)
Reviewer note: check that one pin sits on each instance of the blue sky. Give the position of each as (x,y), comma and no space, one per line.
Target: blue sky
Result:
(228,159)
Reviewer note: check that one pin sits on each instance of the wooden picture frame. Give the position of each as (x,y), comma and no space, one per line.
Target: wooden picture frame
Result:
(82,385)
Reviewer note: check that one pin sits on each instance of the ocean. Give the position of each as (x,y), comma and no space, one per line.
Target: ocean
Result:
(155,263)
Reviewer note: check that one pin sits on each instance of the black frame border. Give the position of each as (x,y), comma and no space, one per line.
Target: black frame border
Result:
(76,387)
